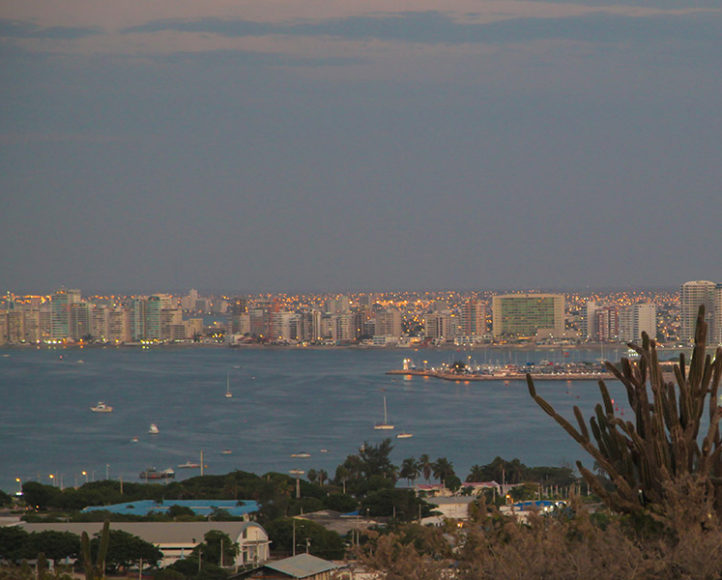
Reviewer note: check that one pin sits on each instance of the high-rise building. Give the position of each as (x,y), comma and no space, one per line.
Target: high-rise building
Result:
(522,315)
(606,324)
(473,318)
(388,323)
(694,294)
(60,317)
(635,319)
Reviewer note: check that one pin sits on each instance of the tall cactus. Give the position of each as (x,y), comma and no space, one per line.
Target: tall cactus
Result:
(663,443)
(95,571)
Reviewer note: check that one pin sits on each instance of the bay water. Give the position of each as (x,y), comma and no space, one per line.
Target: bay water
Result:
(285,401)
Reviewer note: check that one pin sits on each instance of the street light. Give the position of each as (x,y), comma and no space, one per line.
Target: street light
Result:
(20,486)
(52,478)
(84,474)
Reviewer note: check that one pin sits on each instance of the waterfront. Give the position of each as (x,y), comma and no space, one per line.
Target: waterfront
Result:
(285,401)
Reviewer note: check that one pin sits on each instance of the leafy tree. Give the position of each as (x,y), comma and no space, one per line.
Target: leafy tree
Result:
(12,540)
(125,549)
(55,545)
(340,502)
(322,542)
(375,459)
(5,499)
(217,548)
(312,475)
(39,495)
(403,503)
(180,511)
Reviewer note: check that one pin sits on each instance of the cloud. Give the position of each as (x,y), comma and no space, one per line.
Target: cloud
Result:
(433,27)
(19,30)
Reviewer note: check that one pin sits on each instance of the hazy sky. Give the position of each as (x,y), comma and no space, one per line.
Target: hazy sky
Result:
(326,144)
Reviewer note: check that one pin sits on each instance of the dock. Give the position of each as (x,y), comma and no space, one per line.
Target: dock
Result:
(502,376)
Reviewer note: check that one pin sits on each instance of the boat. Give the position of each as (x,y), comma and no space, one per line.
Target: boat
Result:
(101,407)
(228,386)
(189,465)
(134,440)
(226,452)
(153,429)
(301,454)
(385,425)
(404,435)
(152,473)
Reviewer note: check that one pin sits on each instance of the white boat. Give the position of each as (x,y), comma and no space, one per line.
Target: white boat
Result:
(404,435)
(189,465)
(226,452)
(385,425)
(228,386)
(101,407)
(153,429)
(301,454)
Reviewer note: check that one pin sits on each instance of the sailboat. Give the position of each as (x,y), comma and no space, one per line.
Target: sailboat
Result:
(385,425)
(228,386)
(153,429)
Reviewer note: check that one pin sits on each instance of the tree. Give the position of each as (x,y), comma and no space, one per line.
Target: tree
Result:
(402,503)
(425,466)
(125,549)
(321,542)
(217,548)
(55,545)
(12,541)
(663,444)
(442,469)
(409,469)
(375,459)
(40,496)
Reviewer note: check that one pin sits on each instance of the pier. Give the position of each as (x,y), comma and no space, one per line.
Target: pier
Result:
(502,375)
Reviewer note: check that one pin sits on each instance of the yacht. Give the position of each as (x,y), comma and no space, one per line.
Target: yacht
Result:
(101,407)
(385,425)
(153,429)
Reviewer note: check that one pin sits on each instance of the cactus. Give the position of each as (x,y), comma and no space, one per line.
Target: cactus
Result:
(663,444)
(95,571)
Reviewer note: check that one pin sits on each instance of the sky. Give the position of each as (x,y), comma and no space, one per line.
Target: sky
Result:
(278,145)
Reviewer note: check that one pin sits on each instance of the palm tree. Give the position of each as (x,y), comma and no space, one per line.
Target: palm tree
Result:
(322,476)
(409,469)
(443,469)
(425,466)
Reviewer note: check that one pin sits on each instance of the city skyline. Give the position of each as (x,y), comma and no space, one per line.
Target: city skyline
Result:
(294,147)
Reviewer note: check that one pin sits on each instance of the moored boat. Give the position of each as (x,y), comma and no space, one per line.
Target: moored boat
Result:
(385,425)
(153,429)
(101,407)
(152,473)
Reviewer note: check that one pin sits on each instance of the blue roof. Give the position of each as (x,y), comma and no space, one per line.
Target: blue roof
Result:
(201,507)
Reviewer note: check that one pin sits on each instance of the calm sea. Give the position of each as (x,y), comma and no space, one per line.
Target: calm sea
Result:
(284,401)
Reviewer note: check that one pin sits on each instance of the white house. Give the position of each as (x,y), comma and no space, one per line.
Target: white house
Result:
(176,540)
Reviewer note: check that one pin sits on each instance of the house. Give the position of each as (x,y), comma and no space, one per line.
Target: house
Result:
(303,566)
(176,540)
(455,507)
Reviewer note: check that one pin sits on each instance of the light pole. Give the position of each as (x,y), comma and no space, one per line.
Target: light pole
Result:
(85,475)
(20,486)
(52,479)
